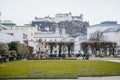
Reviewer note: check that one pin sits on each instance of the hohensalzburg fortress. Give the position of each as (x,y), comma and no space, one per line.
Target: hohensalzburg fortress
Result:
(61,17)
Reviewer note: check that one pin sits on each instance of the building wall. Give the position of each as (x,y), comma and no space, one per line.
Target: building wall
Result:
(91,30)
(6,38)
(19,35)
(30,30)
(63,17)
(118,37)
(112,36)
(52,37)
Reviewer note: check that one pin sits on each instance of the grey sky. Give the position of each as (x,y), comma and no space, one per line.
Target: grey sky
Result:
(95,11)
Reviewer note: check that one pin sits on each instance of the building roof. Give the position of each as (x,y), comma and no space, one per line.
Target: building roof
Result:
(106,24)
(50,35)
(18,35)
(8,23)
(26,26)
(12,31)
(109,22)
(62,14)
(6,38)
(112,29)
(76,16)
(2,26)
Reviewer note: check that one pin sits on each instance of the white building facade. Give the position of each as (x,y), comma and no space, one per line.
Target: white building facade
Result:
(100,27)
(112,34)
(19,35)
(52,36)
(110,31)
(47,37)
(6,38)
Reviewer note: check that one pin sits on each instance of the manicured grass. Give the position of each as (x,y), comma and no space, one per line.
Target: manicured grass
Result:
(58,69)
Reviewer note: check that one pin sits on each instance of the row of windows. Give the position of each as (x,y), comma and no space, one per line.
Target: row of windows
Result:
(48,40)
(103,37)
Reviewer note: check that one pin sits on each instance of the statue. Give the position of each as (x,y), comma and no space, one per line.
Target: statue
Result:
(41,50)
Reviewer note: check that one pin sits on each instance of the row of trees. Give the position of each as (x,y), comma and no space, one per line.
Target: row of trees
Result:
(14,50)
(98,46)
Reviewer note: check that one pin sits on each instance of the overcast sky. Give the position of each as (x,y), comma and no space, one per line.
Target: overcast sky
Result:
(94,11)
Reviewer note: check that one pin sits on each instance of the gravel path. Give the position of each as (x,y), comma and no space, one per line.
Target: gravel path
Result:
(82,78)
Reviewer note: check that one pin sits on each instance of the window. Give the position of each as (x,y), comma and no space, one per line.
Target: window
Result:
(10,34)
(55,39)
(24,36)
(31,28)
(31,34)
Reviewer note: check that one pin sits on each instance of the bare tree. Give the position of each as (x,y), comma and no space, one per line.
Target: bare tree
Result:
(96,36)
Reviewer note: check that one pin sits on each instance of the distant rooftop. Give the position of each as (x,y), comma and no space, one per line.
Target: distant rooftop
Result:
(50,35)
(6,38)
(7,22)
(106,24)
(112,29)
(2,26)
(64,13)
(109,22)
(47,35)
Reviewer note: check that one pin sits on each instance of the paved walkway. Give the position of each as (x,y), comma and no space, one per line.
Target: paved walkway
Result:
(114,61)
(105,59)
(82,78)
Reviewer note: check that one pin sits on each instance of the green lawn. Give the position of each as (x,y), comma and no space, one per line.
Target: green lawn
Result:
(58,68)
